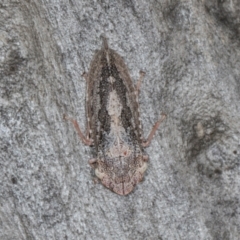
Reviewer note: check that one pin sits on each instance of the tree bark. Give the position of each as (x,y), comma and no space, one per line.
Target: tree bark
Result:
(190,51)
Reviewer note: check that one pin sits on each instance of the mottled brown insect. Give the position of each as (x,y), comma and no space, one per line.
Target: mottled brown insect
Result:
(113,123)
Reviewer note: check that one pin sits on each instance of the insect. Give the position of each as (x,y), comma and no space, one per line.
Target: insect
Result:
(113,122)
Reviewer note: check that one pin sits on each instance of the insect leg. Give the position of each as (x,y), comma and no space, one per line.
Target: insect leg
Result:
(154,129)
(85,139)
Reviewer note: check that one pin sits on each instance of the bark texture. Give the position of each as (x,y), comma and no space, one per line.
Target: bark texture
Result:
(190,51)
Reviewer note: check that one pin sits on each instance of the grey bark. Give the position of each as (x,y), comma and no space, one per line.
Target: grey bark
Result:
(190,51)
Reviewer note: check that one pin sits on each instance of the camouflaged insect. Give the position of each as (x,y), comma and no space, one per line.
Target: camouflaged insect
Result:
(113,124)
